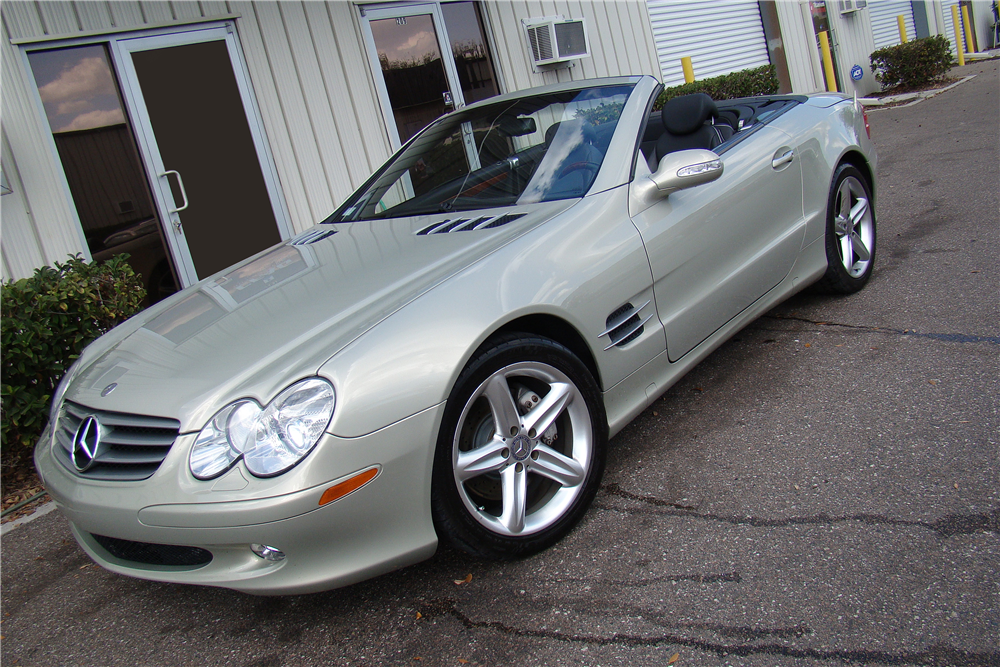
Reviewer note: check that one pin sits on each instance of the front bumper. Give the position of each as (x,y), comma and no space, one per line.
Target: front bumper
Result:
(380,527)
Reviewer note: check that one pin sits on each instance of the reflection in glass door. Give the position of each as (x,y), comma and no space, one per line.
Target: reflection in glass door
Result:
(99,157)
(821,23)
(432,59)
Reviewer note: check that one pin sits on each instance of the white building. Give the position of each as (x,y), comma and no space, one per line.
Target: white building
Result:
(192,134)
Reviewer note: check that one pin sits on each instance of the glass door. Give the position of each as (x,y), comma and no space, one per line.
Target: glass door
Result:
(189,102)
(432,58)
(103,169)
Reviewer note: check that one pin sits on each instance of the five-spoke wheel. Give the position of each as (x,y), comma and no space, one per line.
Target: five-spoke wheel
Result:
(521,449)
(850,236)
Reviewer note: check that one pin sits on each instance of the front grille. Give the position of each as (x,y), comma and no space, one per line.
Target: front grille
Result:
(154,554)
(131,447)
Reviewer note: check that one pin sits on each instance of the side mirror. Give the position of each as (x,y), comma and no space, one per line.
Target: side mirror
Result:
(686,169)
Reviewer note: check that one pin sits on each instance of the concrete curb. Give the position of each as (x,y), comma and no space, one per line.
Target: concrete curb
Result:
(40,512)
(895,101)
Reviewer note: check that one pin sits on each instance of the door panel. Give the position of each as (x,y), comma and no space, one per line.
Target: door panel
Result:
(197,115)
(201,129)
(717,248)
(214,185)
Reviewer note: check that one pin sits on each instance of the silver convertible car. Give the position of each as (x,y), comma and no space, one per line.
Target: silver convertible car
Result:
(446,355)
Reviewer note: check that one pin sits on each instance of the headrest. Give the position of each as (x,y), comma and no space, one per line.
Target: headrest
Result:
(685,114)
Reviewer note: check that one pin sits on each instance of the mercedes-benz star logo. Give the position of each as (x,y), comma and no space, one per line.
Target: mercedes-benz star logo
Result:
(86,442)
(521,447)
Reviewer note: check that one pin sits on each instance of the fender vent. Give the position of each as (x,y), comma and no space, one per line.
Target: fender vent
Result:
(625,324)
(312,236)
(470,224)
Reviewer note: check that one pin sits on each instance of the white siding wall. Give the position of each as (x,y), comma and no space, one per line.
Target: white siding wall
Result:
(621,40)
(317,99)
(854,43)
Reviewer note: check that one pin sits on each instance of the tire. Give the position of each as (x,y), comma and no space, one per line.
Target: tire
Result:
(850,233)
(501,489)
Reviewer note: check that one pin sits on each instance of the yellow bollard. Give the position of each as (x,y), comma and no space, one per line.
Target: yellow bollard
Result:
(688,69)
(970,46)
(958,35)
(824,46)
(902,29)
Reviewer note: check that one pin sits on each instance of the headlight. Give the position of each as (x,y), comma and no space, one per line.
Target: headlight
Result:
(271,439)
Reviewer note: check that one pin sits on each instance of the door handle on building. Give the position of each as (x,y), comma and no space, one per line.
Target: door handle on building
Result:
(180,183)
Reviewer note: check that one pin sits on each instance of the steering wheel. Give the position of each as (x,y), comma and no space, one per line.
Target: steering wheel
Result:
(593,167)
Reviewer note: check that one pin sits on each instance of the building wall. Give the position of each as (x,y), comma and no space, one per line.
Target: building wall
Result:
(621,40)
(854,42)
(312,84)
(800,47)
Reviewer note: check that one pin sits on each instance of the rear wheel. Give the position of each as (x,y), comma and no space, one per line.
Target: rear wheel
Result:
(521,449)
(850,233)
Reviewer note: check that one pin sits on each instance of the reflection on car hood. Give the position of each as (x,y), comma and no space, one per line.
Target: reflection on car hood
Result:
(254,328)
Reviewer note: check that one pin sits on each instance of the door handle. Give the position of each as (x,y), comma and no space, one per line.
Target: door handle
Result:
(782,158)
(180,183)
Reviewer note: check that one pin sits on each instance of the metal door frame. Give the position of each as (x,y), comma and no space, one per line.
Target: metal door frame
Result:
(136,106)
(444,44)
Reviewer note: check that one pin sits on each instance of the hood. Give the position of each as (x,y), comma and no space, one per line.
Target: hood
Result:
(251,330)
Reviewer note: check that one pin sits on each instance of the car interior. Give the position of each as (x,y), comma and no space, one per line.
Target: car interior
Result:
(697,121)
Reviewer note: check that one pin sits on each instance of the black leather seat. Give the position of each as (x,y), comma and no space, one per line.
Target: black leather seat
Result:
(688,122)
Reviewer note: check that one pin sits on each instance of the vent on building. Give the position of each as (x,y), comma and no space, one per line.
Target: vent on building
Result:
(554,40)
(848,6)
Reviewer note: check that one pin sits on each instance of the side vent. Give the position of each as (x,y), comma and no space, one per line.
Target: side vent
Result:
(625,324)
(468,225)
(312,236)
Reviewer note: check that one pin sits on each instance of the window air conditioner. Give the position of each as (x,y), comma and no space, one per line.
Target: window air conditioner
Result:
(848,6)
(555,40)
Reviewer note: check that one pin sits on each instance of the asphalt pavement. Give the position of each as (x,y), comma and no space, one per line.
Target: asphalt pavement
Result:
(823,490)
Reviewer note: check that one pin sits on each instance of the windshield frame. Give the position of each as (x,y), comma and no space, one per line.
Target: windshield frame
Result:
(569,104)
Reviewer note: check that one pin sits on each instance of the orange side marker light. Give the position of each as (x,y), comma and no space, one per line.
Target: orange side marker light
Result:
(338,491)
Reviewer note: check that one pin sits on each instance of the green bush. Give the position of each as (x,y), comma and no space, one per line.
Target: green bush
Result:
(47,321)
(745,83)
(912,64)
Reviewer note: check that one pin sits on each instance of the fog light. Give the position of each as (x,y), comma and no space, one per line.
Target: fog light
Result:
(268,553)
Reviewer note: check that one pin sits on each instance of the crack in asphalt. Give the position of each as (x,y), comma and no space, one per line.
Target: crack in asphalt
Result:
(949,338)
(946,526)
(935,655)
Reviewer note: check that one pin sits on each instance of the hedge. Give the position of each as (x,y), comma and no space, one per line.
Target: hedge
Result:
(912,64)
(745,83)
(47,321)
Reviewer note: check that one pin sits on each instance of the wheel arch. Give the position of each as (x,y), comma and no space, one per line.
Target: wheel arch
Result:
(557,329)
(857,159)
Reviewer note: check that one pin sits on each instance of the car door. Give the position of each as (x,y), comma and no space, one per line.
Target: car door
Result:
(716,248)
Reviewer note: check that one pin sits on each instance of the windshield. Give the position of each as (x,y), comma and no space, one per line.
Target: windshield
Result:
(533,149)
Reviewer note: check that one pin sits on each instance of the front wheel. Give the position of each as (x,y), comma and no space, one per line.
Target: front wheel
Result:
(850,233)
(521,449)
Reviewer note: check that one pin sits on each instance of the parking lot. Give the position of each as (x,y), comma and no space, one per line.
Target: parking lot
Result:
(821,490)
